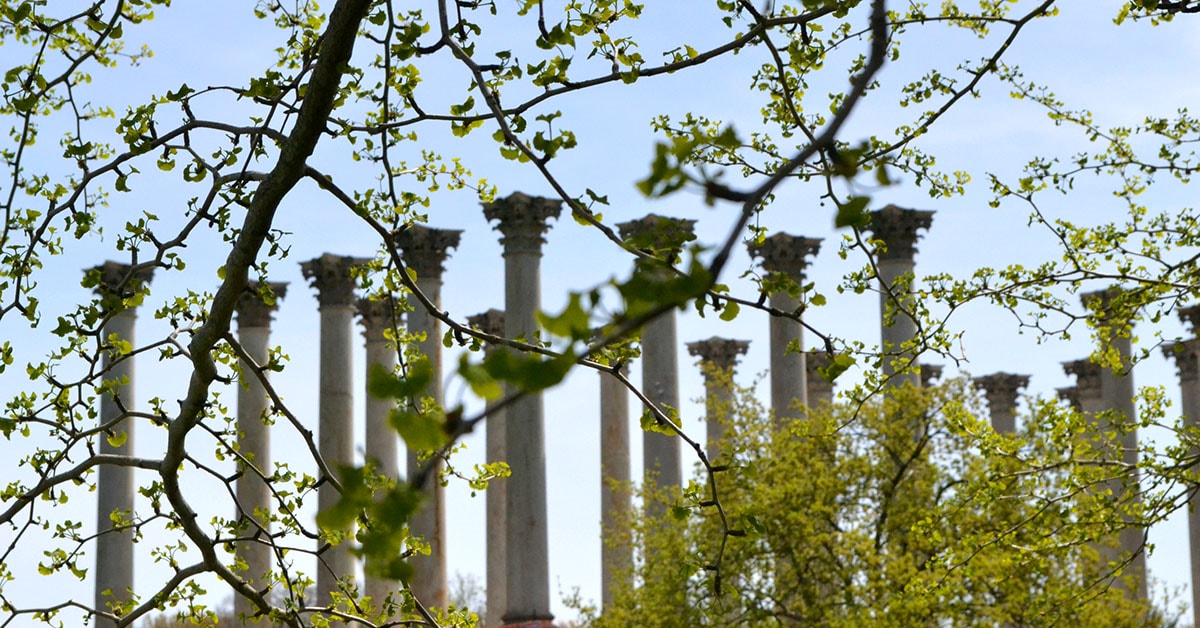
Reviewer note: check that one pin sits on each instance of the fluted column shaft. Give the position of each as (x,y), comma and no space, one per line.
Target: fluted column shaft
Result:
(492,322)
(1118,390)
(425,251)
(254,441)
(376,317)
(1187,362)
(616,506)
(522,221)
(898,229)
(819,389)
(663,238)
(787,255)
(115,486)
(330,275)
(718,360)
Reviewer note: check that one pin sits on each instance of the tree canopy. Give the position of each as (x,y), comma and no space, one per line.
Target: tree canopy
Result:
(290,125)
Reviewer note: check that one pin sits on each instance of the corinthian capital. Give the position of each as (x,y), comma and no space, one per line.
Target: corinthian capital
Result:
(787,254)
(330,275)
(898,229)
(426,249)
(254,308)
(522,221)
(722,353)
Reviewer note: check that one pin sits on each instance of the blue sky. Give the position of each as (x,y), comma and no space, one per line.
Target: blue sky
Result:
(1121,74)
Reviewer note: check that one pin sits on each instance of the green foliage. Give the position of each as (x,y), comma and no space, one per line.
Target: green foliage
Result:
(902,510)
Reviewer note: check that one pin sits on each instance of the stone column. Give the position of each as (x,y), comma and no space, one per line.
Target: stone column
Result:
(819,389)
(785,258)
(718,360)
(897,228)
(1118,390)
(254,440)
(330,275)
(616,502)
(492,322)
(1087,397)
(425,251)
(522,222)
(377,316)
(1001,390)
(115,485)
(1187,362)
(661,461)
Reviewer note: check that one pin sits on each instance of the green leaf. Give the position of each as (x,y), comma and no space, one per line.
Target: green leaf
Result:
(117,438)
(730,311)
(853,213)
(384,384)
(421,431)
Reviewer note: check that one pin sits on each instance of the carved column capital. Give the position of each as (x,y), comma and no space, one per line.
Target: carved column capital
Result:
(660,236)
(1001,389)
(1069,394)
(1191,317)
(785,253)
(489,322)
(522,221)
(117,281)
(255,306)
(814,361)
(722,353)
(330,275)
(377,316)
(425,249)
(1087,378)
(1187,358)
(898,229)
(930,373)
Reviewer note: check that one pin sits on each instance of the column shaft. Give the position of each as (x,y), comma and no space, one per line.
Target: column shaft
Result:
(616,507)
(492,322)
(896,276)
(381,440)
(115,485)
(335,432)
(254,442)
(429,572)
(661,461)
(789,372)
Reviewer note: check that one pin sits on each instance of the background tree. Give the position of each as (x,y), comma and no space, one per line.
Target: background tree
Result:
(843,518)
(353,112)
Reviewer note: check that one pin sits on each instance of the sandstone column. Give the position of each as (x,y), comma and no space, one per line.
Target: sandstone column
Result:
(254,439)
(425,251)
(522,222)
(819,389)
(718,360)
(1187,361)
(661,461)
(1001,390)
(616,503)
(115,485)
(492,322)
(898,228)
(785,257)
(1118,390)
(330,275)
(377,316)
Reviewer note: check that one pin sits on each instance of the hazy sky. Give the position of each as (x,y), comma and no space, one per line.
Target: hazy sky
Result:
(1121,74)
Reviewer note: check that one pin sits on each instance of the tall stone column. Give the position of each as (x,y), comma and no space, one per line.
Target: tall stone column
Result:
(1001,390)
(1118,390)
(786,256)
(425,251)
(661,460)
(254,440)
(492,322)
(377,316)
(115,485)
(330,275)
(616,502)
(718,360)
(819,389)
(1186,355)
(522,222)
(898,228)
